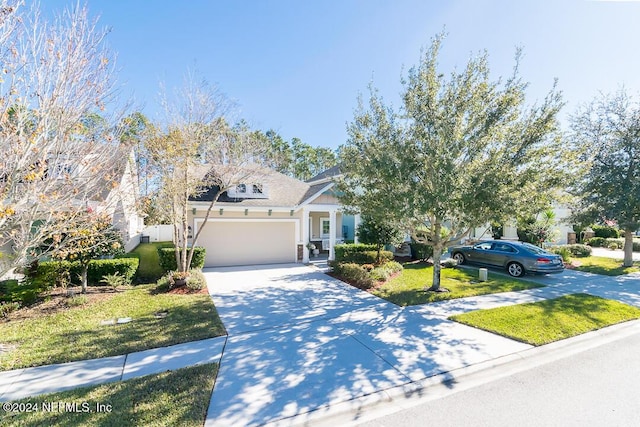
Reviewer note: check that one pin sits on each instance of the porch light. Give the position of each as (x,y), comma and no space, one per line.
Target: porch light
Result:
(270,212)
(221,210)
(246,212)
(193,211)
(291,212)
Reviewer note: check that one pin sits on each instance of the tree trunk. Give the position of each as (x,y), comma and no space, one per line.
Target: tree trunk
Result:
(437,253)
(85,269)
(379,247)
(628,248)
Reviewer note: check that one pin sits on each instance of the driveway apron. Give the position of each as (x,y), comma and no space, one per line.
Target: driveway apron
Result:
(301,341)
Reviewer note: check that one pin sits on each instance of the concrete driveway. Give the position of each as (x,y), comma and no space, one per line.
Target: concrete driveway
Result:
(300,341)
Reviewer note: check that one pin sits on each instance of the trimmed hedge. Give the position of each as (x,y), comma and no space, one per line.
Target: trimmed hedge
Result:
(65,273)
(361,254)
(600,242)
(420,251)
(168,258)
(124,267)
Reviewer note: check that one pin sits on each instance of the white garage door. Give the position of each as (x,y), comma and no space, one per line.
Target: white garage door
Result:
(246,243)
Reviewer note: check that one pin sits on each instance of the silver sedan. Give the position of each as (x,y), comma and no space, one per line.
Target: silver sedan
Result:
(517,258)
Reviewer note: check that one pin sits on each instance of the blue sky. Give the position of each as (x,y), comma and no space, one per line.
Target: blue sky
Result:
(298,66)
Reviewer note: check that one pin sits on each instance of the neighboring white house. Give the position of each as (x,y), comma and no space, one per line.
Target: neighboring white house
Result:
(562,228)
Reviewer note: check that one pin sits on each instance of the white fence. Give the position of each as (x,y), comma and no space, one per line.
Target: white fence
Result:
(158,233)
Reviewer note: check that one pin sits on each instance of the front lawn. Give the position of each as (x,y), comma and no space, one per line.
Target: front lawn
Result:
(149,268)
(603,265)
(408,287)
(172,398)
(75,333)
(550,320)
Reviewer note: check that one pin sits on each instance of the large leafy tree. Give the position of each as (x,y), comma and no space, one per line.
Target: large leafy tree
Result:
(461,152)
(607,133)
(57,139)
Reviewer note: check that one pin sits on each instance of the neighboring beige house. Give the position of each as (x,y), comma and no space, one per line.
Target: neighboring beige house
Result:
(270,221)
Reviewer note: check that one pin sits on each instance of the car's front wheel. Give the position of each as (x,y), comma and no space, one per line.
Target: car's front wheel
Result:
(459,258)
(514,269)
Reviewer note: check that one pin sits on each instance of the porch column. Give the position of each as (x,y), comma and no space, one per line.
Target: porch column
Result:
(332,234)
(305,235)
(356,222)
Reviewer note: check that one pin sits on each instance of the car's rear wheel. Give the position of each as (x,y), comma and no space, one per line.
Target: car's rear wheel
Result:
(515,269)
(459,258)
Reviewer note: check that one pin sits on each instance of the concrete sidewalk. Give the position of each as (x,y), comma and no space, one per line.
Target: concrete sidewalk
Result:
(302,344)
(21,383)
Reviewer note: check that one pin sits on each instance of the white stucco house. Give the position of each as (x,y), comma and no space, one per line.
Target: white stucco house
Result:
(271,221)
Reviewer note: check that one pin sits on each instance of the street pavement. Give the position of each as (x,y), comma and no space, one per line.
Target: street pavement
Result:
(595,387)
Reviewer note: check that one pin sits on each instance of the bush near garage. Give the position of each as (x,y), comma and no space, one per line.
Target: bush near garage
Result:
(364,276)
(354,274)
(167,258)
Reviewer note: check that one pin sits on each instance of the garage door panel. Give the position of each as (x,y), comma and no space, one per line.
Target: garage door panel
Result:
(246,243)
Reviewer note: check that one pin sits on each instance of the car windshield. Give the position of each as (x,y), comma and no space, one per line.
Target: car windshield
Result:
(535,249)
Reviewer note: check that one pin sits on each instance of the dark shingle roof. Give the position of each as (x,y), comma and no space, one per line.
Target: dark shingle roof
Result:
(329,173)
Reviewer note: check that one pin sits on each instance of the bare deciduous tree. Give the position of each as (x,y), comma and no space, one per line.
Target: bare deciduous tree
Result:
(58,148)
(197,150)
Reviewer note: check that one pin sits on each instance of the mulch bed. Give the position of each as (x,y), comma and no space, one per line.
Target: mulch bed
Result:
(183,290)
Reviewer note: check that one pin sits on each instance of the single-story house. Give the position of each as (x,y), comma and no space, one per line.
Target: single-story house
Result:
(271,221)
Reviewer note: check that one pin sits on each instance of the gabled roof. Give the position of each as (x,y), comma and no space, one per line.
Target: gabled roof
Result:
(323,176)
(283,192)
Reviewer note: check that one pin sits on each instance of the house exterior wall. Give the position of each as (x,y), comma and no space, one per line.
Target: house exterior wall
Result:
(326,199)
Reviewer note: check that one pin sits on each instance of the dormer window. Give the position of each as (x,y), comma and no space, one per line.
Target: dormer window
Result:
(249,191)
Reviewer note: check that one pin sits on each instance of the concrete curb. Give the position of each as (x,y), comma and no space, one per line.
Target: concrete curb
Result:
(392,400)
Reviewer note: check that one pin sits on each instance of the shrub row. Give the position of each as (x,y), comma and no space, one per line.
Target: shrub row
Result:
(64,273)
(361,253)
(611,243)
(354,273)
(364,276)
(576,250)
(167,258)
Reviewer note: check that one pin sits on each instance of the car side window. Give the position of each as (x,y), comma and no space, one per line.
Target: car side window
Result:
(503,248)
(483,246)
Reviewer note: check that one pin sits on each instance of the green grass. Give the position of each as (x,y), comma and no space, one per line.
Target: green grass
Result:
(173,398)
(408,287)
(149,268)
(76,333)
(551,320)
(605,266)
